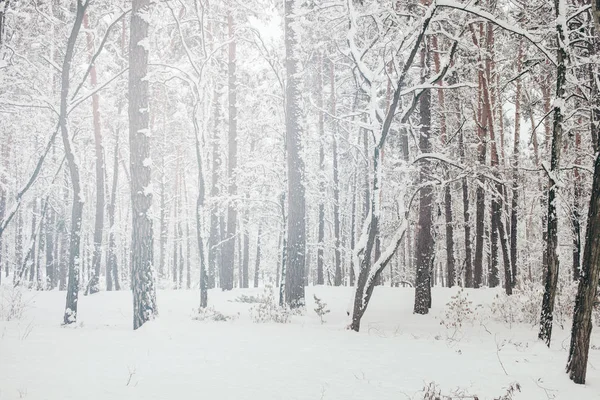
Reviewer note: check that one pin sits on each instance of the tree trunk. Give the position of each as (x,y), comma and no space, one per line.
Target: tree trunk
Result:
(322,188)
(336,183)
(576,214)
(587,289)
(546,318)
(215,234)
(257,260)
(590,268)
(245,252)
(424,238)
(296,230)
(229,245)
(142,273)
(514,209)
(77,206)
(112,268)
(94,284)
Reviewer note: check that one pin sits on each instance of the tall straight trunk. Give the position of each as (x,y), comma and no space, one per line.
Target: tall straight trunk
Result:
(514,209)
(258,255)
(482,118)
(296,230)
(590,268)
(70,315)
(424,236)
(336,183)
(164,222)
(353,230)
(112,268)
(551,282)
(199,215)
(64,238)
(176,237)
(34,237)
(587,289)
(50,248)
(94,284)
(215,234)
(229,245)
(322,187)
(576,213)
(142,258)
(246,252)
(450,262)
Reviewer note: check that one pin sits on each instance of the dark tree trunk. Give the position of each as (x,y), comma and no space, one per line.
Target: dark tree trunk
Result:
(230,240)
(576,213)
(296,230)
(424,237)
(77,206)
(587,289)
(142,273)
(482,119)
(552,266)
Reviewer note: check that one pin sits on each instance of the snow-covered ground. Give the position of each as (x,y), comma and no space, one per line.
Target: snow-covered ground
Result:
(177,357)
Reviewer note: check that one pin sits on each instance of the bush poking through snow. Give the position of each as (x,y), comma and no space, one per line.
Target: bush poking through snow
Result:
(321,308)
(12,305)
(524,306)
(267,309)
(210,314)
(431,391)
(244,298)
(459,311)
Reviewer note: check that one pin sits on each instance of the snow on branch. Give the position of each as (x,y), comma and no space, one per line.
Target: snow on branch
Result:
(499,22)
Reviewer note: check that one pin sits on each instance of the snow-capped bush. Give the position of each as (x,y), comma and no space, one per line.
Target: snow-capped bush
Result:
(244,298)
(210,314)
(523,306)
(267,309)
(12,305)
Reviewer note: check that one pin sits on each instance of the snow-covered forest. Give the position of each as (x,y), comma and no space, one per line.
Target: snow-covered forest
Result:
(299,199)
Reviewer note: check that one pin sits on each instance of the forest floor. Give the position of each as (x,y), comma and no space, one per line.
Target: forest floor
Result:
(397,355)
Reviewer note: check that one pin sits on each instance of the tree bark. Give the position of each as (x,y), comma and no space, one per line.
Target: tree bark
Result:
(94,283)
(258,255)
(112,268)
(296,231)
(70,315)
(229,245)
(552,266)
(336,182)
(424,238)
(142,271)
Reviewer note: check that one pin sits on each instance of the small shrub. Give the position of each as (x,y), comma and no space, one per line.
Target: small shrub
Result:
(12,305)
(248,299)
(321,308)
(267,310)
(523,306)
(459,311)
(210,314)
